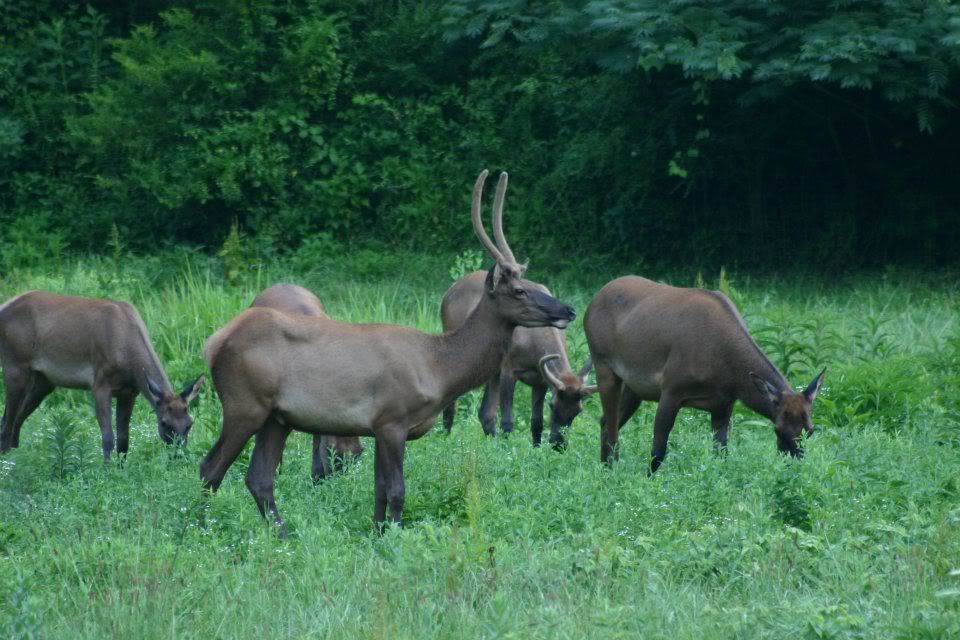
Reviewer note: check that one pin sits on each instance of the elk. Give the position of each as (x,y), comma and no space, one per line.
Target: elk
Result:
(49,340)
(277,372)
(684,348)
(329,452)
(527,360)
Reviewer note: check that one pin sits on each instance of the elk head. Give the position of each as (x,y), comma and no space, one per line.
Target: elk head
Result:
(792,412)
(569,390)
(173,421)
(517,300)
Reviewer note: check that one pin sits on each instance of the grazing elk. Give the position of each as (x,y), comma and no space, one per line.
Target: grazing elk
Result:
(329,452)
(276,372)
(527,360)
(48,341)
(684,348)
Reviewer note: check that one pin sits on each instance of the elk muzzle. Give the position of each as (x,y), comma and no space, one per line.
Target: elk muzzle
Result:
(556,314)
(792,446)
(174,433)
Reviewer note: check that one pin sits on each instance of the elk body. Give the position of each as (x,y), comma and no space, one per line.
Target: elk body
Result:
(528,360)
(48,341)
(277,372)
(684,348)
(329,452)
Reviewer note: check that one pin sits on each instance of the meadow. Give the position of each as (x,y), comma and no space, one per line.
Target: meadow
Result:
(860,539)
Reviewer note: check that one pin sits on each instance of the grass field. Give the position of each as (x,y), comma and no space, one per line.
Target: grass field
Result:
(861,539)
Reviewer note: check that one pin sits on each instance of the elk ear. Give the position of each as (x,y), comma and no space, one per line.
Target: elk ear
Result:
(497,275)
(154,390)
(499,272)
(493,277)
(190,391)
(814,387)
(767,389)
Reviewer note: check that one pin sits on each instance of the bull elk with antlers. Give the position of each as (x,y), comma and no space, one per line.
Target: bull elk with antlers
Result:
(276,372)
(684,348)
(329,452)
(537,357)
(48,341)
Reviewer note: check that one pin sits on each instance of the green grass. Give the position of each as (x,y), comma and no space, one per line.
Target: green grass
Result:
(858,540)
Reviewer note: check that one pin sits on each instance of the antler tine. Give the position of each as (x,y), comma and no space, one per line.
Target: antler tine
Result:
(585,371)
(586,389)
(547,374)
(498,218)
(478,223)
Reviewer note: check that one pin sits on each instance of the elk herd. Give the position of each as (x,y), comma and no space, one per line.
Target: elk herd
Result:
(284,365)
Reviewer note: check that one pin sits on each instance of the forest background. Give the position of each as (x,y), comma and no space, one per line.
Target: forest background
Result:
(749,133)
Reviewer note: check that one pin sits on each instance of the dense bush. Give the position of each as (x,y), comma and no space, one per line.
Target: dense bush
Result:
(762,133)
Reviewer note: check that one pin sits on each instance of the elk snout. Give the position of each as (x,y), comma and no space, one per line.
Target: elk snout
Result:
(175,434)
(561,318)
(787,445)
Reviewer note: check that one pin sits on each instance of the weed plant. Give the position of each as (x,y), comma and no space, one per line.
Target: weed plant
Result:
(860,539)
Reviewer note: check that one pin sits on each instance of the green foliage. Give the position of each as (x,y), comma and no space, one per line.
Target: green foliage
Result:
(467,262)
(232,253)
(64,447)
(790,505)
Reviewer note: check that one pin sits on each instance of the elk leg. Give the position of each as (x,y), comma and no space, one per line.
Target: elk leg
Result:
(388,475)
(537,394)
(488,406)
(610,386)
(720,421)
(102,396)
(662,424)
(267,452)
(629,403)
(37,389)
(125,404)
(237,430)
(449,413)
(319,470)
(15,382)
(508,385)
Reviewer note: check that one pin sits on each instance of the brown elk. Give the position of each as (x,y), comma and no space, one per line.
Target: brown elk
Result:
(48,341)
(329,452)
(276,372)
(528,360)
(684,348)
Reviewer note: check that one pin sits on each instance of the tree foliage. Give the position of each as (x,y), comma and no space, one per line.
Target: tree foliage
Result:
(686,132)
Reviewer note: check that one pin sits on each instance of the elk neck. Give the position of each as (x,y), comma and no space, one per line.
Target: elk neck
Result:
(555,342)
(471,354)
(752,360)
(146,365)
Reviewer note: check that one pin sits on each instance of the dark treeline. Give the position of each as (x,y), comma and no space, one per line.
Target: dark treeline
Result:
(746,132)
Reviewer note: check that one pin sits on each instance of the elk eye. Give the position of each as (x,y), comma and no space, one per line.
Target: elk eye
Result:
(520,293)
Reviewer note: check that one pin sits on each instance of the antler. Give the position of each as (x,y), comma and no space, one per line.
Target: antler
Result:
(475,214)
(498,218)
(547,374)
(585,371)
(586,389)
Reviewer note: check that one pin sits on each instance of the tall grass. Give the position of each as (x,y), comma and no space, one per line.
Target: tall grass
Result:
(857,540)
